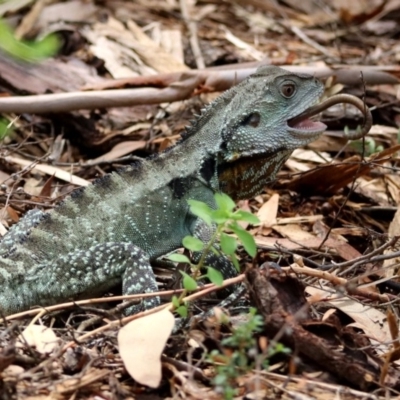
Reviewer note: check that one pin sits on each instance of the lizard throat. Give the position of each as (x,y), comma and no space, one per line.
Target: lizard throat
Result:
(247,176)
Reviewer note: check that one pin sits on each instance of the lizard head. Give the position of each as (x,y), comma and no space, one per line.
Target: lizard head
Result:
(258,117)
(260,130)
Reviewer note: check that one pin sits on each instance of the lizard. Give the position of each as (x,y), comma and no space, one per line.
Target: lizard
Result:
(112,230)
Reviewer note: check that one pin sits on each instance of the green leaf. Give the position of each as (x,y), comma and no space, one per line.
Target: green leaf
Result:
(178,258)
(235,262)
(27,50)
(224,202)
(5,128)
(201,210)
(241,215)
(220,216)
(215,276)
(47,47)
(188,282)
(192,243)
(175,301)
(228,243)
(246,239)
(182,311)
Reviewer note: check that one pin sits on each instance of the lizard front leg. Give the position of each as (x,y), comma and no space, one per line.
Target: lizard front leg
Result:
(82,274)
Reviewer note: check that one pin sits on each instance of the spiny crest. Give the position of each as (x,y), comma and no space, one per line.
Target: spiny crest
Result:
(206,112)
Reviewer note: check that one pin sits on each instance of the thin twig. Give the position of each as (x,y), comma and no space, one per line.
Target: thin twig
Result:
(337,281)
(201,291)
(366,257)
(301,35)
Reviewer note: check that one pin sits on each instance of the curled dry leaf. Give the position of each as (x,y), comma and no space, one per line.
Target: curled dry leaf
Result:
(141,343)
(42,338)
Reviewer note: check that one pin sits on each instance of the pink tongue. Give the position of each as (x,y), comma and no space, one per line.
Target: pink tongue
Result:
(307,124)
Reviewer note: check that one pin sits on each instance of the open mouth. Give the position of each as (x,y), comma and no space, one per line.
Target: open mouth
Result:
(305,128)
(303,124)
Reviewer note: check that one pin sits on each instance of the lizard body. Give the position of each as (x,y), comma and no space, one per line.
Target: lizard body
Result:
(111,230)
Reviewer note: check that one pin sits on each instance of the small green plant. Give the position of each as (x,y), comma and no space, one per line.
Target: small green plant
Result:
(223,218)
(5,128)
(27,50)
(370,146)
(30,51)
(239,355)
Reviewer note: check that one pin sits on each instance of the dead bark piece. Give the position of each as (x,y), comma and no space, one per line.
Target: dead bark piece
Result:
(336,353)
(289,293)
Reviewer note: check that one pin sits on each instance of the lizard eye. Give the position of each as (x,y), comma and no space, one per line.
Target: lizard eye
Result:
(288,90)
(253,120)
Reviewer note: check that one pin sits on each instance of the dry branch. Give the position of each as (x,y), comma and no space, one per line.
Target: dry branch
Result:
(175,86)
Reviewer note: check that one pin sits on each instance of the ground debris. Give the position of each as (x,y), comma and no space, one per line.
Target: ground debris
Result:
(330,225)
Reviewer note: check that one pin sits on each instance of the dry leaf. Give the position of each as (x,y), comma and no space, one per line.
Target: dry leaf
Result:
(293,232)
(394,230)
(372,321)
(311,156)
(327,314)
(344,250)
(42,338)
(11,213)
(13,6)
(121,149)
(72,385)
(71,11)
(4,177)
(141,343)
(12,371)
(268,211)
(32,187)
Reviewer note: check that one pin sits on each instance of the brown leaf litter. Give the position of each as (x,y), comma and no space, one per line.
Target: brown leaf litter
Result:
(330,221)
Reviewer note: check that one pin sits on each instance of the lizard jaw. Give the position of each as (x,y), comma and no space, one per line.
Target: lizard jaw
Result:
(305,128)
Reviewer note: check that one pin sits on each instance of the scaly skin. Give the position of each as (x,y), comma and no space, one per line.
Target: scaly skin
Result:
(110,231)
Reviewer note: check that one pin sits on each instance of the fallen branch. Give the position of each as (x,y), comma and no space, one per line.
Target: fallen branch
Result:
(174,87)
